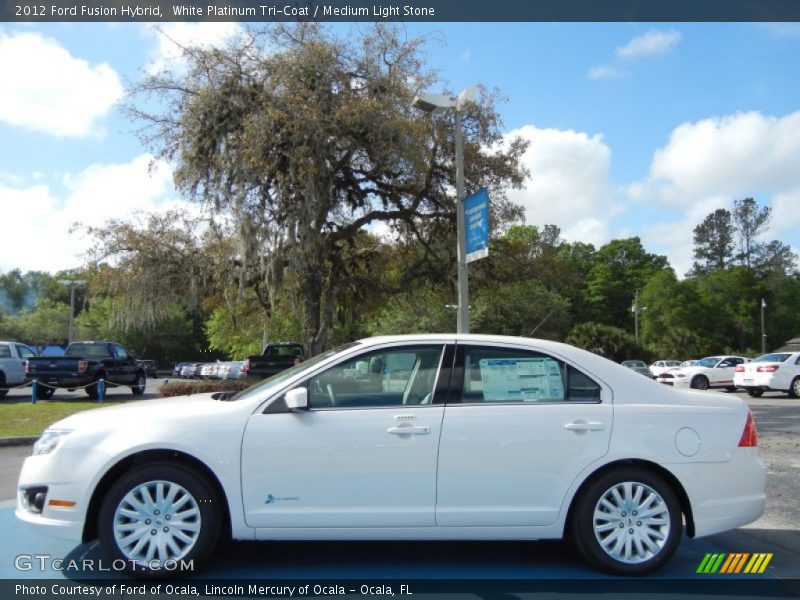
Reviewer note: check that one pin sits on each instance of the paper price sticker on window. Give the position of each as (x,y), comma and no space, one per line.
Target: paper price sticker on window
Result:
(521,380)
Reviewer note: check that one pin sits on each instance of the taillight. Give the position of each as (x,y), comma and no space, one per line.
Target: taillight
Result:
(749,435)
(740,369)
(82,366)
(768,369)
(25,366)
(245,366)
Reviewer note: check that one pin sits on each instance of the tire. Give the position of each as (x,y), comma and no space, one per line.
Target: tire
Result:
(44,393)
(91,390)
(699,382)
(138,387)
(131,509)
(730,389)
(755,393)
(609,505)
(2,385)
(794,388)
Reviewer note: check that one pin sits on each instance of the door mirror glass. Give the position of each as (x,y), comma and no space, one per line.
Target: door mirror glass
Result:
(297,399)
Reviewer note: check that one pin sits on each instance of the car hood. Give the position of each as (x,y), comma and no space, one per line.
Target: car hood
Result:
(144,410)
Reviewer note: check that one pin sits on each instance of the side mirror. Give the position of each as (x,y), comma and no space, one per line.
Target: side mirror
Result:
(297,399)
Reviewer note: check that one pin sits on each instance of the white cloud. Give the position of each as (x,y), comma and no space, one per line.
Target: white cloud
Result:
(734,155)
(711,163)
(570,185)
(171,38)
(45,88)
(651,43)
(606,72)
(37,221)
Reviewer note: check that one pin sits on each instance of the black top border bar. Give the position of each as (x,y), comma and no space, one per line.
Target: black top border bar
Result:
(433,11)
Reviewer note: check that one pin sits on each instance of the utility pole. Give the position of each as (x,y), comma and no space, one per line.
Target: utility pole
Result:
(763,331)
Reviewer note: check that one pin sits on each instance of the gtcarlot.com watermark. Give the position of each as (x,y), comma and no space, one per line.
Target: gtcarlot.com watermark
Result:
(46,562)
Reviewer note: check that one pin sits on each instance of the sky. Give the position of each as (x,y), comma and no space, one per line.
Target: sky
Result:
(635,129)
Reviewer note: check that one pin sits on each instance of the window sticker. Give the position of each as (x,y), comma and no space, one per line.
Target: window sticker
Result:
(521,379)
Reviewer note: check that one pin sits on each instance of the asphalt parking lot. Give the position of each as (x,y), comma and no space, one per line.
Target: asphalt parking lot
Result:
(777,531)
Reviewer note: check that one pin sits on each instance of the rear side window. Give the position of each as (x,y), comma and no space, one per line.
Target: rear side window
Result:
(5,352)
(499,375)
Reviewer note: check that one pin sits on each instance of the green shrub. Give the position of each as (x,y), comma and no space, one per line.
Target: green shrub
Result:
(185,388)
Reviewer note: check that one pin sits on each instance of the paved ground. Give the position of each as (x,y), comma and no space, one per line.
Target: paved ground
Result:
(778,531)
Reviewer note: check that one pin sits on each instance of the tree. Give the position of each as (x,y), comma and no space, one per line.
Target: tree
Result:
(611,342)
(301,140)
(749,222)
(621,268)
(713,242)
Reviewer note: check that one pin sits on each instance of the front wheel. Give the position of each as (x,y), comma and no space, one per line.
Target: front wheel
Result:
(794,388)
(159,518)
(628,522)
(700,382)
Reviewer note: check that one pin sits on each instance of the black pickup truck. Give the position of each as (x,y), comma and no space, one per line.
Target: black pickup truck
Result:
(274,359)
(83,364)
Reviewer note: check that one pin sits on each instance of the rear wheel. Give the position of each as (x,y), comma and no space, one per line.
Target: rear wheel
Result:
(44,392)
(138,387)
(3,392)
(700,382)
(794,388)
(628,522)
(755,393)
(157,517)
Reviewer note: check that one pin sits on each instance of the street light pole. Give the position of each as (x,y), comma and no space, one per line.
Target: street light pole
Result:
(434,103)
(636,310)
(71,283)
(763,332)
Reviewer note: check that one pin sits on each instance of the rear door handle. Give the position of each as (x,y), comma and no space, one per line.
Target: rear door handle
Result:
(585,426)
(409,430)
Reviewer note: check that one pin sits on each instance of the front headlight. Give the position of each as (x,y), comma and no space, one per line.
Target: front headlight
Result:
(49,440)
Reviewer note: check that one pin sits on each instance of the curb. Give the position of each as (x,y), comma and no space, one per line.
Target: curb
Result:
(18,441)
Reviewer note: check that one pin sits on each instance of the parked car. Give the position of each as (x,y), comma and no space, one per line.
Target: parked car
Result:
(777,371)
(274,359)
(709,372)
(12,364)
(638,366)
(464,449)
(150,367)
(176,370)
(83,365)
(187,370)
(231,369)
(662,366)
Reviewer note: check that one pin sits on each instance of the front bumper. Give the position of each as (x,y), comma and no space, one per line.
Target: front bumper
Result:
(70,477)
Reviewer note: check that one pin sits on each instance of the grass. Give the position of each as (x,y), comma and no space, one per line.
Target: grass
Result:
(21,418)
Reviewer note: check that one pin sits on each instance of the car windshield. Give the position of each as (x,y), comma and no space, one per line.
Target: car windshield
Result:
(635,363)
(277,379)
(709,362)
(775,357)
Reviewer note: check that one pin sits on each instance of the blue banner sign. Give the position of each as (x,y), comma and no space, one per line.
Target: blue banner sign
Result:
(476,225)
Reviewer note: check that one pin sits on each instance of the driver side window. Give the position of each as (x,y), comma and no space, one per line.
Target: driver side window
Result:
(382,378)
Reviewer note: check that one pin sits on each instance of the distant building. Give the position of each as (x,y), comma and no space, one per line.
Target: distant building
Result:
(792,345)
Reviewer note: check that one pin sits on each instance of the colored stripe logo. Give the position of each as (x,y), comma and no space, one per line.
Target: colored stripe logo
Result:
(734,563)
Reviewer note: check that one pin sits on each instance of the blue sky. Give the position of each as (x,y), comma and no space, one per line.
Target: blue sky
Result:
(635,128)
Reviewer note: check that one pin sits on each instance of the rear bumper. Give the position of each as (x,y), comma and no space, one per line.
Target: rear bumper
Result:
(724,496)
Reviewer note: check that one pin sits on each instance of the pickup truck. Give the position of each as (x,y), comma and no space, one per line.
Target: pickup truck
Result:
(83,364)
(274,359)
(12,364)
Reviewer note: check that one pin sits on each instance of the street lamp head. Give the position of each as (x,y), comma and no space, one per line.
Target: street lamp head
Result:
(434,103)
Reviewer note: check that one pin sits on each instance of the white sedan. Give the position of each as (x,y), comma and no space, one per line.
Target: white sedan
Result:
(440,437)
(778,371)
(709,372)
(662,366)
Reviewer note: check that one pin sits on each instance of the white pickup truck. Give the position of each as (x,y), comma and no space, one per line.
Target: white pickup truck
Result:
(12,364)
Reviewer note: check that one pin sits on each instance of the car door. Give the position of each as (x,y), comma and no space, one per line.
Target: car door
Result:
(519,426)
(363,454)
(123,368)
(722,374)
(24,354)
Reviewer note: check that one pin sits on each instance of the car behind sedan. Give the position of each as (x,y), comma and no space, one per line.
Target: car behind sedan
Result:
(777,371)
(451,437)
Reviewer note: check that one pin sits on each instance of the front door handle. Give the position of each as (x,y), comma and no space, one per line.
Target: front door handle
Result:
(585,426)
(409,430)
